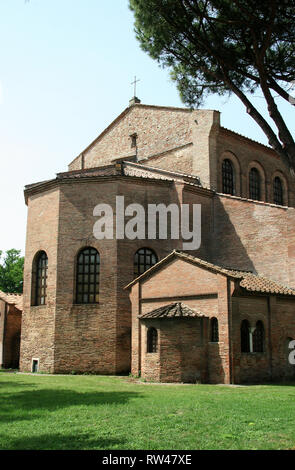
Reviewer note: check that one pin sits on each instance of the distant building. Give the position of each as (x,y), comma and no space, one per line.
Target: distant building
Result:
(10,329)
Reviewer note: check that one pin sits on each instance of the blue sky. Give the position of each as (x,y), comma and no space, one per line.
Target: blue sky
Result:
(65,73)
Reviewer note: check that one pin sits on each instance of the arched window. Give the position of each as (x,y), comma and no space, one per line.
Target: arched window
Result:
(254,184)
(278,197)
(144,259)
(214,334)
(40,282)
(289,351)
(152,340)
(258,337)
(87,276)
(245,336)
(228,177)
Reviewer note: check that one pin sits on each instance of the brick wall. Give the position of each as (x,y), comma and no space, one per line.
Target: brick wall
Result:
(249,153)
(11,342)
(254,236)
(250,367)
(282,320)
(181,355)
(38,322)
(158,130)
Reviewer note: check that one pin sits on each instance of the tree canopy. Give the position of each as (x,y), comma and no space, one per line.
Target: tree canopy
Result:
(11,271)
(224,47)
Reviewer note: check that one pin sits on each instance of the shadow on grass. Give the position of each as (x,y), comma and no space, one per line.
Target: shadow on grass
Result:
(286,383)
(15,385)
(30,404)
(61,442)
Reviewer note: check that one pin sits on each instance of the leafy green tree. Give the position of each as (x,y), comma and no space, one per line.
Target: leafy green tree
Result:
(11,271)
(224,47)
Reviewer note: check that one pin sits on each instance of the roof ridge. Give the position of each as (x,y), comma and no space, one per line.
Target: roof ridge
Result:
(161,170)
(248,280)
(120,116)
(173,310)
(247,138)
(254,201)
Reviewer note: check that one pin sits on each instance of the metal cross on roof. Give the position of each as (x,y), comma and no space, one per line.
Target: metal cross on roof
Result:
(134,83)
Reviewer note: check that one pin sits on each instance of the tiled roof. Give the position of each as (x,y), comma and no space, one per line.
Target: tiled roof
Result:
(107,170)
(127,168)
(146,171)
(247,280)
(253,283)
(123,168)
(12,299)
(174,310)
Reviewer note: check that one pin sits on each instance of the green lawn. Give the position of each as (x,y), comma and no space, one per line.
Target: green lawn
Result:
(99,412)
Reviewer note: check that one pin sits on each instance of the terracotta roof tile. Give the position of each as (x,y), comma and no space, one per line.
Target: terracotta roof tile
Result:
(12,299)
(138,169)
(174,310)
(254,283)
(108,170)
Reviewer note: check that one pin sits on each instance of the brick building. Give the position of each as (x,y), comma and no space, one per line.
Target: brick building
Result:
(77,313)
(10,329)
(210,324)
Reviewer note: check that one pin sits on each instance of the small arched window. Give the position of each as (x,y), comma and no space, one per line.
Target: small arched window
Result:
(228,177)
(214,334)
(144,259)
(40,282)
(258,337)
(152,340)
(245,336)
(254,184)
(289,351)
(278,197)
(87,276)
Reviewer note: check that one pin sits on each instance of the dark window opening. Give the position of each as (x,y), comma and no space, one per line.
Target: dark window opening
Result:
(258,337)
(87,276)
(228,178)
(254,184)
(245,336)
(144,259)
(41,279)
(133,138)
(152,340)
(214,330)
(35,365)
(278,191)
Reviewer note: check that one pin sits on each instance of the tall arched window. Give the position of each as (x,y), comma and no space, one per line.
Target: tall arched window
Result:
(40,282)
(254,184)
(258,337)
(152,340)
(228,177)
(87,276)
(278,197)
(245,336)
(144,259)
(214,334)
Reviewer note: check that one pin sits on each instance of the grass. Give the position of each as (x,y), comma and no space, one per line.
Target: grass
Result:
(99,412)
